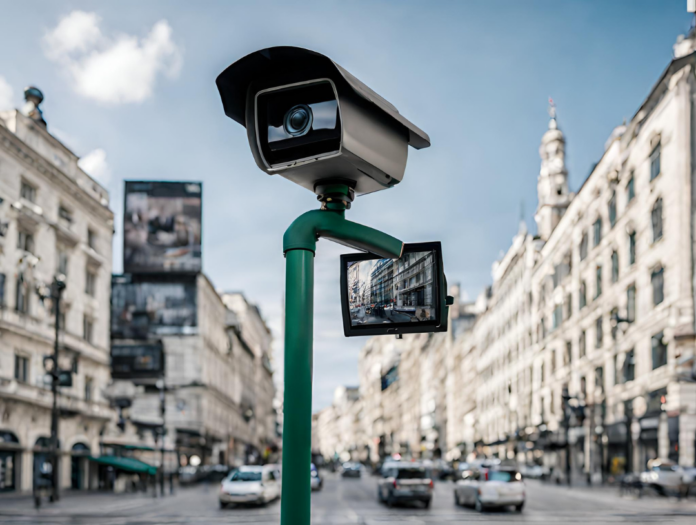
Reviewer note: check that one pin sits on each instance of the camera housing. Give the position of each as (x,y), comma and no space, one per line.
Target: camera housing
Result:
(312,122)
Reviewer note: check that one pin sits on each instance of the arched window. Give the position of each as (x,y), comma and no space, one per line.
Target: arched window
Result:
(656,216)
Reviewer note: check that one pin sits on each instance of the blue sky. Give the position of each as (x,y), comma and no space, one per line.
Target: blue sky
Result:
(475,75)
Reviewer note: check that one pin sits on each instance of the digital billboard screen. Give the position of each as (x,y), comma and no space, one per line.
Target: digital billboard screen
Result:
(143,309)
(162,227)
(131,361)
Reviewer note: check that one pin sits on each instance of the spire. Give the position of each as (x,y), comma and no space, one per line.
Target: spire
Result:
(552,113)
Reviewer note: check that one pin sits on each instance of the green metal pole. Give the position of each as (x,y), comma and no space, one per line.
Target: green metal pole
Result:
(297,408)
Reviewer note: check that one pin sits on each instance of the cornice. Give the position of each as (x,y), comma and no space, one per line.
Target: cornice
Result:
(31,158)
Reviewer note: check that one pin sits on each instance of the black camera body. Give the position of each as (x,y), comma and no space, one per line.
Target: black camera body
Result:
(312,122)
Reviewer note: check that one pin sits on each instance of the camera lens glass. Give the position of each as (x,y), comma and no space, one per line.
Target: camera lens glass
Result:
(298,120)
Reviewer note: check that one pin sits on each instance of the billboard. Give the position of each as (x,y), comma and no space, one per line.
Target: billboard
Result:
(131,361)
(162,227)
(141,309)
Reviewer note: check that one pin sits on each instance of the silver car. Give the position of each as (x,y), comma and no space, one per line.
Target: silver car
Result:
(403,482)
(490,487)
(250,484)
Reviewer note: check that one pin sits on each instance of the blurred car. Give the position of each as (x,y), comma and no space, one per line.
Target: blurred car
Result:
(351,469)
(405,482)
(665,476)
(250,484)
(484,488)
(188,474)
(443,470)
(316,481)
(534,472)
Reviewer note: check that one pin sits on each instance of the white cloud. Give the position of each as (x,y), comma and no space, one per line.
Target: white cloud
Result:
(118,69)
(6,95)
(94,163)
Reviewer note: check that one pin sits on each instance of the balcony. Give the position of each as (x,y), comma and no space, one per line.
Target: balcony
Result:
(65,232)
(29,215)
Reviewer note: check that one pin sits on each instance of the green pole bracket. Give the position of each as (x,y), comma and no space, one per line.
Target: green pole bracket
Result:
(299,246)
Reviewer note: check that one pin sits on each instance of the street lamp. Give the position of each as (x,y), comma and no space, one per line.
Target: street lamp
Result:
(55,293)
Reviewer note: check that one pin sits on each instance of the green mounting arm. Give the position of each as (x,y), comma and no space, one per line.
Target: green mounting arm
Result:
(299,246)
(332,224)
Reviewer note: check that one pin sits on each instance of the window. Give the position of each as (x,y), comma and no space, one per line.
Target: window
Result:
(541,373)
(62,262)
(583,246)
(656,218)
(557,316)
(657,279)
(631,303)
(27,192)
(659,351)
(614,326)
(655,161)
(599,379)
(568,355)
(90,282)
(614,266)
(629,366)
(583,386)
(569,306)
(87,328)
(597,231)
(631,248)
(2,291)
(91,239)
(630,189)
(582,296)
(617,372)
(582,345)
(25,241)
(65,218)
(599,333)
(22,295)
(612,209)
(21,372)
(88,389)
(598,281)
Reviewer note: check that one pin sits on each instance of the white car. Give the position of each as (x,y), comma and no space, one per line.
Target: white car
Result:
(490,487)
(250,484)
(665,475)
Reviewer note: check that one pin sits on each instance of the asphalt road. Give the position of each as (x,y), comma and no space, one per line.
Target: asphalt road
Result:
(349,501)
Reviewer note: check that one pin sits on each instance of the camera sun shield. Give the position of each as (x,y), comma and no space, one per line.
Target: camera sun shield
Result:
(394,296)
(312,122)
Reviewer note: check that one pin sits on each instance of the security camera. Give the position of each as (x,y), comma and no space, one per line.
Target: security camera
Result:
(312,122)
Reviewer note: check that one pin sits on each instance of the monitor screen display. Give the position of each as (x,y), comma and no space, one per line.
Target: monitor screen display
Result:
(393,291)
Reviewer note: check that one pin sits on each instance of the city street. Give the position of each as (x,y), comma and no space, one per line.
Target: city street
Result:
(348,501)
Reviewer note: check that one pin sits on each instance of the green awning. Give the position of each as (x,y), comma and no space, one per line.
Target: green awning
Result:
(126,464)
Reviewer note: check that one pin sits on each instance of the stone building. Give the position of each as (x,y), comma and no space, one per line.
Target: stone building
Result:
(218,382)
(54,219)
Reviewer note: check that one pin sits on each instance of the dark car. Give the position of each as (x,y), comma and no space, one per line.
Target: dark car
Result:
(351,469)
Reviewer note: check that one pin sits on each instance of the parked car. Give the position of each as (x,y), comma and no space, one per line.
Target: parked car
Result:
(534,472)
(316,481)
(351,469)
(665,476)
(250,484)
(484,488)
(405,482)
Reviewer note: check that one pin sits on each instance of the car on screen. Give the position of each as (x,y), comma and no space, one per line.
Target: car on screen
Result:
(405,483)
(485,488)
(250,484)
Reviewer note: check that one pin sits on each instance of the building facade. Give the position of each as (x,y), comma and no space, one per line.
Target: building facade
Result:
(54,220)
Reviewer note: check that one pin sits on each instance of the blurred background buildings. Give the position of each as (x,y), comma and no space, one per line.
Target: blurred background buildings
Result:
(580,355)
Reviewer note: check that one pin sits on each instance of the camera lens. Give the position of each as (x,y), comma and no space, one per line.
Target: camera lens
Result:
(298,120)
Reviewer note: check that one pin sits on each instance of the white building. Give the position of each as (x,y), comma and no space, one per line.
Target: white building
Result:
(54,219)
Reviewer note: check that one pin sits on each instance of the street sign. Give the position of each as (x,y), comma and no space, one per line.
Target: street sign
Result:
(65,378)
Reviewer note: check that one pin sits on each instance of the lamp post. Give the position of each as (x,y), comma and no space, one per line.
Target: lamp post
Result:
(55,293)
(616,320)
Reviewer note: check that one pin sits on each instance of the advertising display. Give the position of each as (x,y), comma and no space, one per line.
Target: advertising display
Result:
(162,227)
(141,309)
(137,361)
